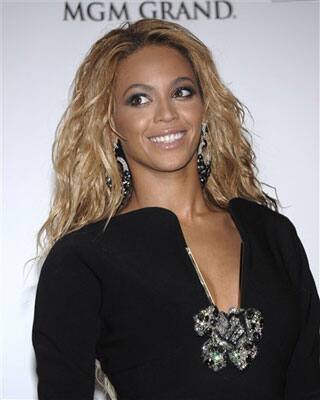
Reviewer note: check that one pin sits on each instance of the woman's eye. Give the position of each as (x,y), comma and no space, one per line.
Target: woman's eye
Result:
(138,99)
(184,92)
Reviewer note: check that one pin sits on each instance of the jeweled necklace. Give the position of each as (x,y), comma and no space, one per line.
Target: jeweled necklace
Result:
(233,335)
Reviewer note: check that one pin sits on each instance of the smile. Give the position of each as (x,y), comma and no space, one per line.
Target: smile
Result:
(167,138)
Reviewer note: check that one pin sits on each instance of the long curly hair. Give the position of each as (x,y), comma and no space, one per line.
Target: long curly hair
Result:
(83,155)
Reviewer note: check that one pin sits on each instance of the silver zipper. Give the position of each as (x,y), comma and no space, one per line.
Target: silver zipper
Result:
(241,274)
(203,282)
(194,263)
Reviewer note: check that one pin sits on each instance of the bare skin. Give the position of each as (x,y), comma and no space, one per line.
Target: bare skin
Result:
(168,177)
(215,245)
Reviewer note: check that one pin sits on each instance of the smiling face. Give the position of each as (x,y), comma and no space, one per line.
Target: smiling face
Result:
(158,110)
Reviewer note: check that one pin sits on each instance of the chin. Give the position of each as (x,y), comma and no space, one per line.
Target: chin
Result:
(174,165)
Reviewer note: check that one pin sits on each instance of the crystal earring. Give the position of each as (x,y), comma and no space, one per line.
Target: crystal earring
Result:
(126,177)
(204,167)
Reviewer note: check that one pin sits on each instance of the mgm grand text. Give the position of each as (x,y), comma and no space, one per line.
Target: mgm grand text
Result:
(167,10)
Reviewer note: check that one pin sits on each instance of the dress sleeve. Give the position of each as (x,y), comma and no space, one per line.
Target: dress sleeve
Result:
(303,375)
(66,326)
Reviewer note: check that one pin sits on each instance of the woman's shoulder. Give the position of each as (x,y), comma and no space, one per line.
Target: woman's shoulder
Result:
(76,247)
(274,232)
(259,216)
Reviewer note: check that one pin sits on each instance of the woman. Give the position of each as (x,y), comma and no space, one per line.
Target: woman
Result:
(175,271)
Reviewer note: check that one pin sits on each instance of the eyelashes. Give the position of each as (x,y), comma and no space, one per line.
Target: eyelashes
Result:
(139,99)
(190,91)
(135,99)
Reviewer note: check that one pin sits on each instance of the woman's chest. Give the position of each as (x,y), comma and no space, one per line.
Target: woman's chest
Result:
(155,287)
(216,255)
(152,296)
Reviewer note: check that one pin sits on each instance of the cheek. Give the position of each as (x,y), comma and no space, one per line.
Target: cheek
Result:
(192,113)
(130,122)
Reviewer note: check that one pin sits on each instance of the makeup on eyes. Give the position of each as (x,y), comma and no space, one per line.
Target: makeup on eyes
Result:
(134,96)
(189,88)
(131,98)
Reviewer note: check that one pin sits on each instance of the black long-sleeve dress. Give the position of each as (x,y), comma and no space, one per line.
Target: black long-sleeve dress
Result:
(127,296)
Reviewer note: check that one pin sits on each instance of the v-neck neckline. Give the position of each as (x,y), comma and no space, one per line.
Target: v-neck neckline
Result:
(244,254)
(202,280)
(242,261)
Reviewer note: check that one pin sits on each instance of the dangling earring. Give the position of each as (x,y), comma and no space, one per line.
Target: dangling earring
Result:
(204,167)
(126,178)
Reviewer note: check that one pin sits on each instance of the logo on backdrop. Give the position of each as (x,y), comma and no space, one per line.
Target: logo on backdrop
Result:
(168,10)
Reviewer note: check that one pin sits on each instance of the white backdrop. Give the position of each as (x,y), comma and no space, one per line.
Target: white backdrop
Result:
(267,52)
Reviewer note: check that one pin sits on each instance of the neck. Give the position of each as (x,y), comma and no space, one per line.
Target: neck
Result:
(179,191)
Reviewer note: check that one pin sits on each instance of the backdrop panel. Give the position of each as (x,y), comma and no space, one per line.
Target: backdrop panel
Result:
(266,52)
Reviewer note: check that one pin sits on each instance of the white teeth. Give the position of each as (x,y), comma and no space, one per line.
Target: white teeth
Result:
(167,138)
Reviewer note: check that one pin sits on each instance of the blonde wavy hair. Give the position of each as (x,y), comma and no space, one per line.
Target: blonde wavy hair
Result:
(83,155)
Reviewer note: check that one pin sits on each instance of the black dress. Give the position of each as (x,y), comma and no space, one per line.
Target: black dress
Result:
(127,296)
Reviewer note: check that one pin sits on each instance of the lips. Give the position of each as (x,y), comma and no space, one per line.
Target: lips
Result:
(168,136)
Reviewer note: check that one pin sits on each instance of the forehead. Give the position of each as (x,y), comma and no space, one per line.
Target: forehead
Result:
(151,64)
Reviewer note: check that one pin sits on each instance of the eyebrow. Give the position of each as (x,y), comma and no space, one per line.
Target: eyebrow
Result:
(149,88)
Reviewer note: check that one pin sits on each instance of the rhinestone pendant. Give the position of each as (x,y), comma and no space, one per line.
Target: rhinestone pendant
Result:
(233,336)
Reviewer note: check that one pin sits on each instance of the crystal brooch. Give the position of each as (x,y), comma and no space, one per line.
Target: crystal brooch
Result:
(233,336)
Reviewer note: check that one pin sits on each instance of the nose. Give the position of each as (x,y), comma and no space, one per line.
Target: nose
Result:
(165,110)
